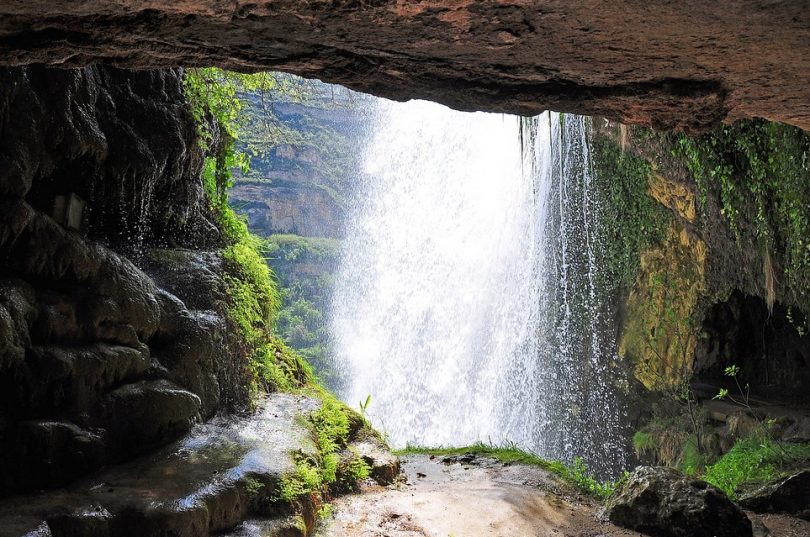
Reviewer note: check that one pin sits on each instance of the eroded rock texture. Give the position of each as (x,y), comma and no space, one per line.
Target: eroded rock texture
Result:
(98,362)
(682,64)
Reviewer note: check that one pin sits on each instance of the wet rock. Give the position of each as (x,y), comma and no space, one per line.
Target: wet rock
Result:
(384,464)
(293,526)
(146,414)
(194,277)
(17,312)
(662,502)
(72,380)
(798,431)
(123,141)
(208,482)
(98,165)
(790,495)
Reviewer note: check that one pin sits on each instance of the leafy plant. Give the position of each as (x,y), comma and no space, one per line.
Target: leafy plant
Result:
(760,173)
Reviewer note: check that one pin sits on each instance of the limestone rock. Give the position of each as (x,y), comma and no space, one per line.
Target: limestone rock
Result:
(146,414)
(384,464)
(662,502)
(686,65)
(790,495)
(51,453)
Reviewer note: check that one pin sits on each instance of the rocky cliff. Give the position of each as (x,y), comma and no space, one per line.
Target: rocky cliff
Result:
(106,348)
(684,65)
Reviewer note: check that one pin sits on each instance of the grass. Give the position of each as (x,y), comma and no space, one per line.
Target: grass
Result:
(754,461)
(576,474)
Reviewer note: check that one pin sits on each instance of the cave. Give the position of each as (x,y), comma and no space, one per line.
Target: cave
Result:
(145,388)
(771,348)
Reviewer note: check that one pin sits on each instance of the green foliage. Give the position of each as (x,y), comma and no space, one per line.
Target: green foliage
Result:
(253,486)
(643,442)
(286,248)
(630,219)
(755,460)
(669,441)
(306,295)
(364,406)
(330,428)
(760,173)
(304,480)
(692,460)
(576,473)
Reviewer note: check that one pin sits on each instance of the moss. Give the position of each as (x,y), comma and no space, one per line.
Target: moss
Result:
(659,335)
(336,466)
(575,474)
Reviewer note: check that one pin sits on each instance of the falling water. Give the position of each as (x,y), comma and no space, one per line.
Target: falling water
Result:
(467,301)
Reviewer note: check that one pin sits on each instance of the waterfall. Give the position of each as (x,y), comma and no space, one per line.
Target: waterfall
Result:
(467,302)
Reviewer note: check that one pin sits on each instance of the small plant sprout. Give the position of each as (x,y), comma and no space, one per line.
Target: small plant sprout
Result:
(364,406)
(733,371)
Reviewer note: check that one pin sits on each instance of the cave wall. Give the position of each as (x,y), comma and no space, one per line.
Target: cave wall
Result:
(686,65)
(112,337)
(699,302)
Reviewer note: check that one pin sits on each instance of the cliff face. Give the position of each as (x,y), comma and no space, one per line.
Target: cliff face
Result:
(99,361)
(681,65)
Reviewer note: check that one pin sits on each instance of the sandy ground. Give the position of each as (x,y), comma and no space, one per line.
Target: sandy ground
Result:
(483,498)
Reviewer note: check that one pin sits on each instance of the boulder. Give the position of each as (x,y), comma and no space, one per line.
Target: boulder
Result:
(790,495)
(384,464)
(51,453)
(663,502)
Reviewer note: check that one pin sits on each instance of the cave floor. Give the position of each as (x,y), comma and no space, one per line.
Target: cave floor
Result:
(458,497)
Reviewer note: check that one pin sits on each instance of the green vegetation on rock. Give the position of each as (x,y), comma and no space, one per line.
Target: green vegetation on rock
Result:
(337,467)
(253,298)
(754,461)
(630,219)
(760,173)
(305,268)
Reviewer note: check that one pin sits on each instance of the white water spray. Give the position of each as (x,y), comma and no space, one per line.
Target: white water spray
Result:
(458,305)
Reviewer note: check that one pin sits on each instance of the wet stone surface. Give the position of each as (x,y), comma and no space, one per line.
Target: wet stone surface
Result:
(209,481)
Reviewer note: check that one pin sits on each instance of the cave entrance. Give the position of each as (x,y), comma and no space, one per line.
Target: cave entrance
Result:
(772,349)
(444,270)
